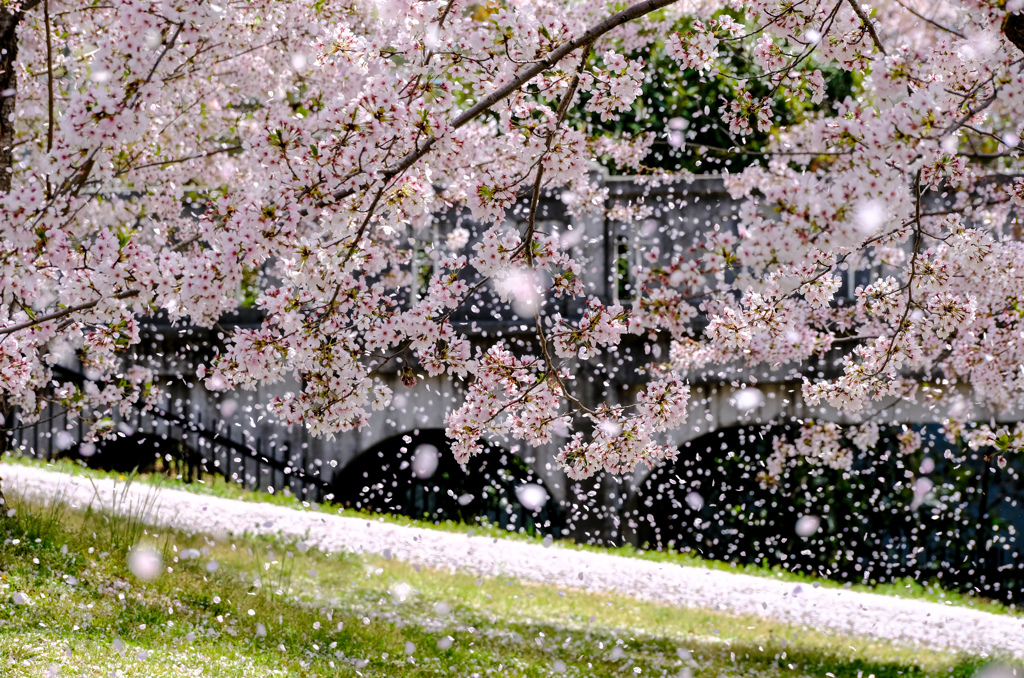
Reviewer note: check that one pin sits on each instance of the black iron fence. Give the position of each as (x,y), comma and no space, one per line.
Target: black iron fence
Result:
(180,444)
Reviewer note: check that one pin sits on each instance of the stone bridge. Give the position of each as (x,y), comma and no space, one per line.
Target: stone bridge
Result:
(376,467)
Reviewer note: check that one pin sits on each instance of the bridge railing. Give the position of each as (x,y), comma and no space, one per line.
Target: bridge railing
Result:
(158,440)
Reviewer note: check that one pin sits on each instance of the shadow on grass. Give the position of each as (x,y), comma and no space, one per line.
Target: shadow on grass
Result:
(258,606)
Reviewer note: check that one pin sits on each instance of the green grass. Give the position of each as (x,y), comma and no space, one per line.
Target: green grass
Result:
(69,605)
(216,486)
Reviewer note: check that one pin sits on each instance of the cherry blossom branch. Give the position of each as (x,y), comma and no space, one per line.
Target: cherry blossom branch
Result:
(517,400)
(744,150)
(636,11)
(362,227)
(868,24)
(1001,140)
(403,348)
(180,73)
(791,66)
(91,8)
(49,80)
(756,31)
(75,181)
(985,103)
(560,117)
(175,161)
(910,280)
(184,244)
(444,14)
(57,315)
(563,109)
(934,23)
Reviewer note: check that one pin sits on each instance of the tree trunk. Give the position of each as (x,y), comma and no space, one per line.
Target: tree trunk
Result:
(6,419)
(1013,29)
(8,96)
(8,90)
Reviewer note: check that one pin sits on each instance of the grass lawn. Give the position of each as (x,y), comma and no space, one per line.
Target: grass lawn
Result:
(216,486)
(70,604)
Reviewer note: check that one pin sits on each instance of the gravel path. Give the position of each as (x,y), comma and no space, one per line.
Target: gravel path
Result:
(838,610)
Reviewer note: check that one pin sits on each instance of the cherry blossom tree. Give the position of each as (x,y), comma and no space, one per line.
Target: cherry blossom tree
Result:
(156,156)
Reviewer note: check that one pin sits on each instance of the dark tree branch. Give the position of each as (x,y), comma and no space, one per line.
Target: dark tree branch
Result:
(930,21)
(49,78)
(869,25)
(63,313)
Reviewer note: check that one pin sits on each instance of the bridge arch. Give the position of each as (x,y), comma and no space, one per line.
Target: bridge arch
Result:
(415,474)
(930,514)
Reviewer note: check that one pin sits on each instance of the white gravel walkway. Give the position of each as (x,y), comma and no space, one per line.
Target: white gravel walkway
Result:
(838,610)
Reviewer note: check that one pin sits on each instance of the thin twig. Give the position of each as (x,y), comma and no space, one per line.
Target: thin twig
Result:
(444,14)
(57,315)
(362,227)
(174,161)
(563,110)
(868,25)
(910,279)
(934,23)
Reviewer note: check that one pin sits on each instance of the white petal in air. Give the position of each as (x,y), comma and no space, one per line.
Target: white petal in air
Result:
(424,461)
(748,399)
(870,215)
(922,486)
(807,525)
(228,407)
(401,591)
(532,496)
(64,440)
(144,563)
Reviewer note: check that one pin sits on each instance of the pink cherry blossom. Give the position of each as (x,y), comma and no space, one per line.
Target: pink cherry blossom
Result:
(176,160)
